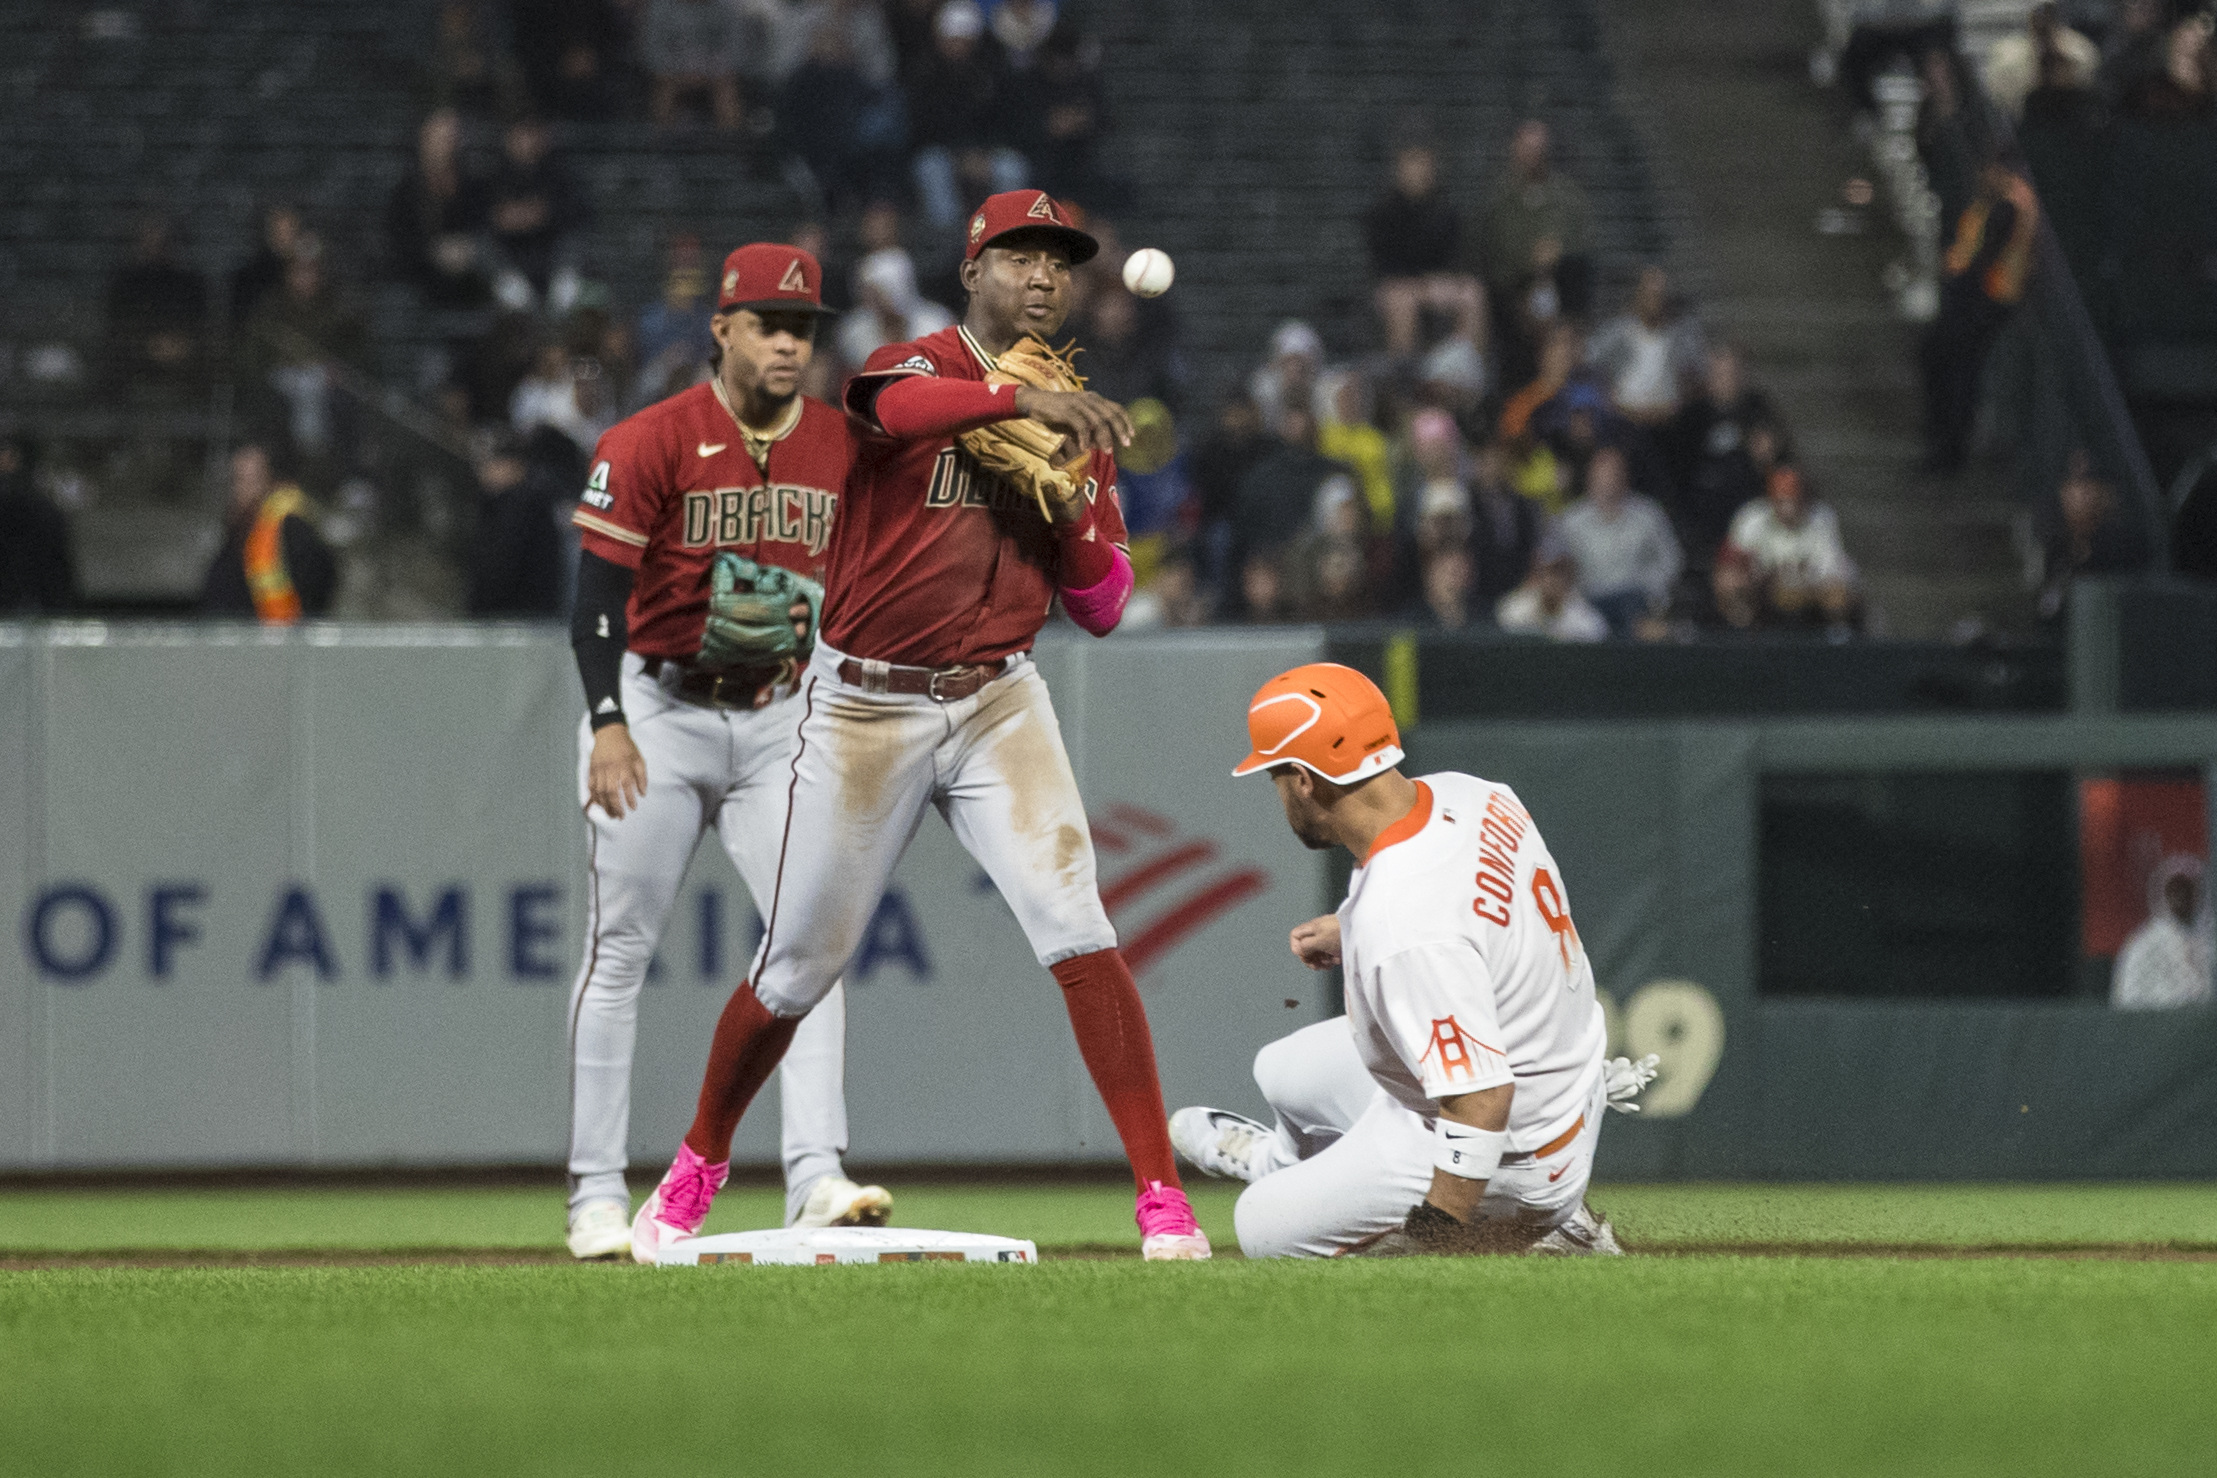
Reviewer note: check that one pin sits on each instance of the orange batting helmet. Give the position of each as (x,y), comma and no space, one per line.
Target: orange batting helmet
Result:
(1328,719)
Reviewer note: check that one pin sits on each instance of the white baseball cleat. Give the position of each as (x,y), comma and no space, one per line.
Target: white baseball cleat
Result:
(836,1201)
(1221,1143)
(1586,1234)
(600,1231)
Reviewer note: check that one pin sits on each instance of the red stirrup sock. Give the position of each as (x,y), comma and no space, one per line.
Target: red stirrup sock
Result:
(748,1043)
(1119,1051)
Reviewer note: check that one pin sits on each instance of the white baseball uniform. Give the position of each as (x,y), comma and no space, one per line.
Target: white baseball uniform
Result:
(726,768)
(1463,972)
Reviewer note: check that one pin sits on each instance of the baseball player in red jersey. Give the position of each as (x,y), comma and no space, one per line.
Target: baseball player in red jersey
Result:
(704,530)
(922,693)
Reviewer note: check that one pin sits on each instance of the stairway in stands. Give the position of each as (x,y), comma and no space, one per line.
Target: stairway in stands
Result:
(1257,133)
(1752,151)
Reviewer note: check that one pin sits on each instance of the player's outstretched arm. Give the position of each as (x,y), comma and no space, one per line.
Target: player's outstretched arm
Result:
(1316,943)
(1093,423)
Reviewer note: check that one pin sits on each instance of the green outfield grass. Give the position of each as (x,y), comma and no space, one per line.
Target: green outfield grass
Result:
(1061,1216)
(1645,1366)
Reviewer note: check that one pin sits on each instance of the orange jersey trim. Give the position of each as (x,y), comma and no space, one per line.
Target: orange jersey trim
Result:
(1419,816)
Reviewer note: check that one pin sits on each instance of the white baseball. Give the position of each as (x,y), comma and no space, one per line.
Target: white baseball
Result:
(1149,272)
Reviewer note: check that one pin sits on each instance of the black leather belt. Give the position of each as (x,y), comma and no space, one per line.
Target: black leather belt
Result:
(940,684)
(731,687)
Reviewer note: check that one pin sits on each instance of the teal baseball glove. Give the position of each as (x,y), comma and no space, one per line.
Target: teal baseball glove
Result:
(750,614)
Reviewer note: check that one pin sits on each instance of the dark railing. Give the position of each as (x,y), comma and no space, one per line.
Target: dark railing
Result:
(2071,397)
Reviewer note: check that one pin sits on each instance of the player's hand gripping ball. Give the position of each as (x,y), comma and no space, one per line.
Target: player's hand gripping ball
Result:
(750,614)
(1149,272)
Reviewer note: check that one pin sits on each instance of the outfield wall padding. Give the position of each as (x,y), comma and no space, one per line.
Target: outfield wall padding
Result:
(313,898)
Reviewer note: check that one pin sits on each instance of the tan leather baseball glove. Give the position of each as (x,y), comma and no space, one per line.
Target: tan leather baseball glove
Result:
(1021,449)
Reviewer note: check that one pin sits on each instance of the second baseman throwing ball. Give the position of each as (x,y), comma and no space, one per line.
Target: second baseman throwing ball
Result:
(1456,1106)
(922,695)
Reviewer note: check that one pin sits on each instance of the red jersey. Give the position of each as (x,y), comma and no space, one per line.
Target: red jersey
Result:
(939,561)
(675,483)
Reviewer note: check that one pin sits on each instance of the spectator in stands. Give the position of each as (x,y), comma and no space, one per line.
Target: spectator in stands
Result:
(958,118)
(1154,481)
(1452,376)
(561,392)
(889,310)
(2184,91)
(1548,603)
(1784,563)
(1232,449)
(1984,278)
(1504,529)
(1415,241)
(791,31)
(533,210)
(2065,99)
(1262,588)
(274,566)
(38,566)
(2014,62)
(2165,964)
(1279,497)
(1537,249)
(1628,558)
(673,338)
(1022,29)
(1345,433)
(1171,597)
(261,273)
(1536,474)
(2133,49)
(911,24)
(1708,449)
(2084,535)
(299,341)
(1647,355)
(516,559)
(572,53)
(1331,562)
(1065,102)
(693,49)
(1287,382)
(435,218)
(465,70)
(1131,354)
(1450,589)
(158,313)
(846,127)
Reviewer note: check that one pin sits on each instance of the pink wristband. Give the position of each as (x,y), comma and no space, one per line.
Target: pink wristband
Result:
(1100,606)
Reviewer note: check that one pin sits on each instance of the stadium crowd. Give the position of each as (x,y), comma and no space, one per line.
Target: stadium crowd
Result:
(1506,443)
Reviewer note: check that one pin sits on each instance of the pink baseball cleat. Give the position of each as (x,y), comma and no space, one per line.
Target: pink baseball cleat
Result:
(1167,1230)
(679,1205)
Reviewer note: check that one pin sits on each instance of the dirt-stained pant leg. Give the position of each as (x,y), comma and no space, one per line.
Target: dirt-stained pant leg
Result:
(812,1080)
(636,867)
(1012,799)
(862,781)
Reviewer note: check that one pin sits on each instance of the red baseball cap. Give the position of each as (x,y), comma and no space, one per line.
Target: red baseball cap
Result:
(770,277)
(1028,210)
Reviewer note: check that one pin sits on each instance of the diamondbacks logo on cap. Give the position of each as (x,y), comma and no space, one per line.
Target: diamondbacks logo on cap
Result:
(794,280)
(977,227)
(731,281)
(1043,209)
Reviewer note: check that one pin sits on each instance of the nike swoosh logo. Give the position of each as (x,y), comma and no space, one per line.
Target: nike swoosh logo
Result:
(1556,1174)
(709,449)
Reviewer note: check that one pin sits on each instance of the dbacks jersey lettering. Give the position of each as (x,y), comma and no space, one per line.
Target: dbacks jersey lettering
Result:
(674,485)
(938,561)
(1463,968)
